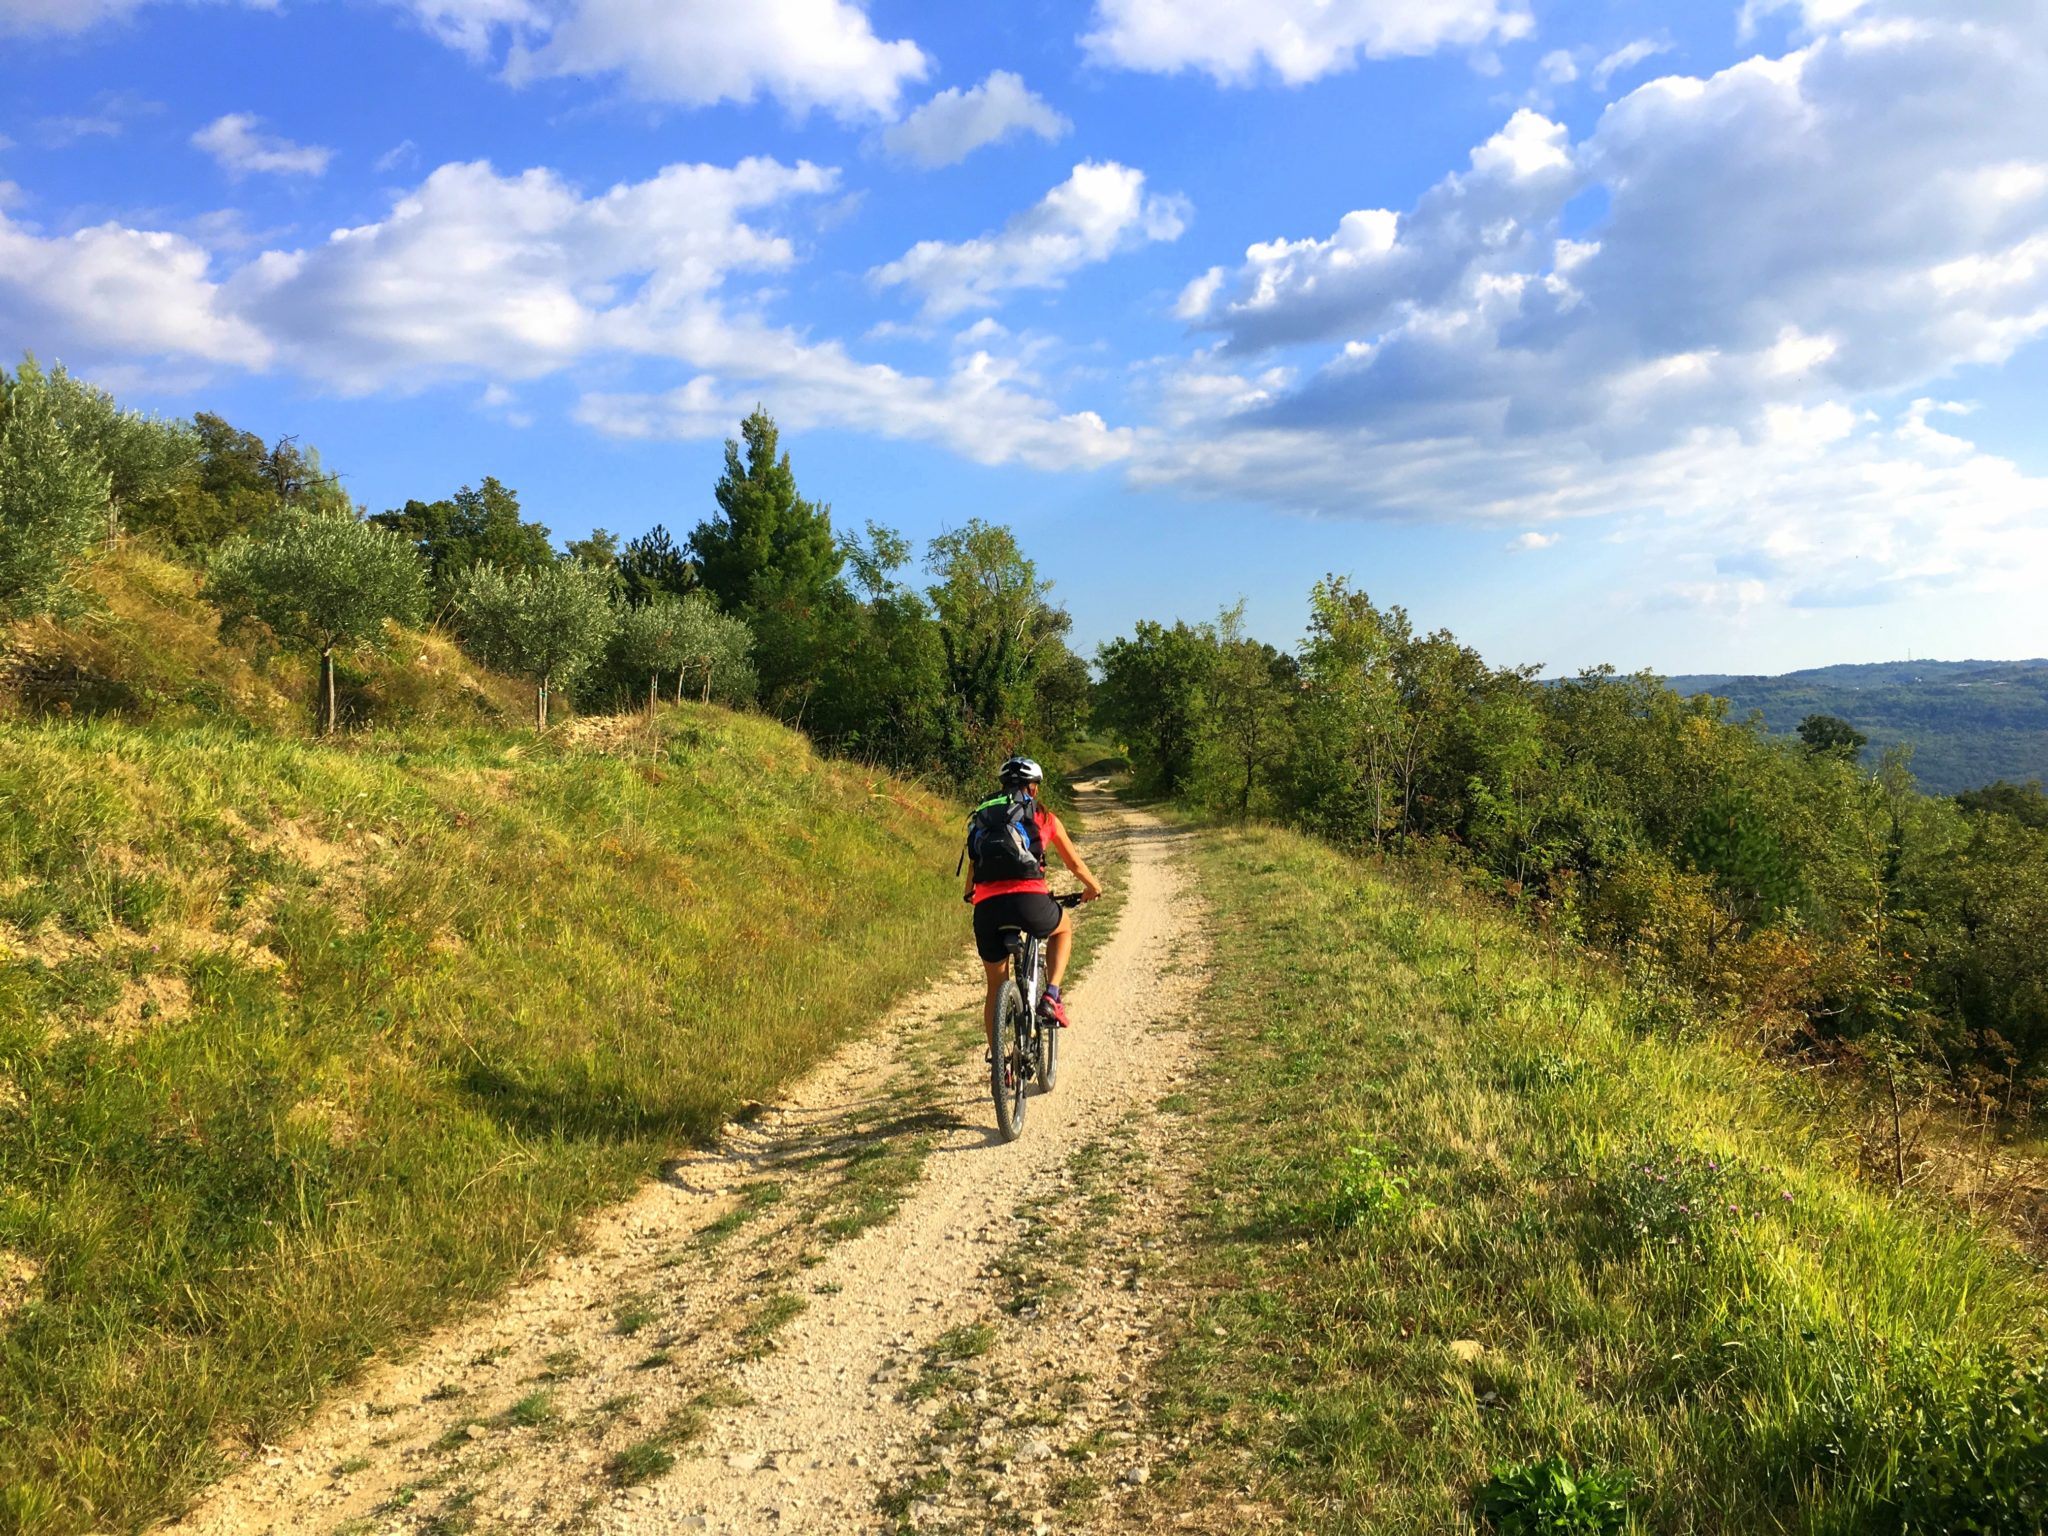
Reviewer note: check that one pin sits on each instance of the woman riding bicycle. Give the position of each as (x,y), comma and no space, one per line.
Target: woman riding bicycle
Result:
(1027,903)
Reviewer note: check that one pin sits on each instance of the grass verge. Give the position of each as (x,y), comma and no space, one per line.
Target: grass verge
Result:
(1480,1244)
(303,1045)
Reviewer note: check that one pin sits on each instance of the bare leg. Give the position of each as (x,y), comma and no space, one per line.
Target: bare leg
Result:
(1058,947)
(998,974)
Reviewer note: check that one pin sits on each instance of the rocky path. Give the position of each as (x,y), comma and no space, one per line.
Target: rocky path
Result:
(861,1312)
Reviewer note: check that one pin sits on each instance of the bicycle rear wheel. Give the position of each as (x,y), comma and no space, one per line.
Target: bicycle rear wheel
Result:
(1007,1063)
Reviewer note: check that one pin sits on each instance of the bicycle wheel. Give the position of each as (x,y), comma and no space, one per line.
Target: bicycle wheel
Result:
(1007,1063)
(1048,1053)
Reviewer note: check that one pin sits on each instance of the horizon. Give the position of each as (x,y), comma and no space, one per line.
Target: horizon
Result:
(1513,312)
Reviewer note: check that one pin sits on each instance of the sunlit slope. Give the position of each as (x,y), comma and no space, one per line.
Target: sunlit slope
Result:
(300,1045)
(146,647)
(1475,1208)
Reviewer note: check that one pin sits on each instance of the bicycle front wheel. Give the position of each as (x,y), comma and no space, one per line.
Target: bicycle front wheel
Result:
(1048,1053)
(1007,1063)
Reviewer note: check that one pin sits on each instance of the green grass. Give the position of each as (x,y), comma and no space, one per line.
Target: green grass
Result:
(1468,1228)
(534,1409)
(311,1044)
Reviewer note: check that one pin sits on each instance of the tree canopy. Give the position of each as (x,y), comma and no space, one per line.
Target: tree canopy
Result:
(322,580)
(478,525)
(546,624)
(54,489)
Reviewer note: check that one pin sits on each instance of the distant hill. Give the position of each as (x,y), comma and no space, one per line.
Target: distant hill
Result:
(1969,722)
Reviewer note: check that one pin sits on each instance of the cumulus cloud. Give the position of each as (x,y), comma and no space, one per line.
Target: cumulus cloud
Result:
(804,53)
(1785,247)
(1491,218)
(1298,40)
(955,123)
(237,142)
(122,291)
(492,279)
(1101,209)
(517,276)
(1532,540)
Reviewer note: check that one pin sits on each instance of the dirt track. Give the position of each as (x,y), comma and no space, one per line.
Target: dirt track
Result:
(972,1361)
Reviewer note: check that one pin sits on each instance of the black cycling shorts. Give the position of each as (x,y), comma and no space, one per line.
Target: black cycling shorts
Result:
(1033,911)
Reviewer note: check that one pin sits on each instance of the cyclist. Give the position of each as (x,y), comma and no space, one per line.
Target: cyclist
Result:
(1028,903)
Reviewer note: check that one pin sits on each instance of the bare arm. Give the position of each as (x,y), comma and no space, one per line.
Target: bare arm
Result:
(1071,857)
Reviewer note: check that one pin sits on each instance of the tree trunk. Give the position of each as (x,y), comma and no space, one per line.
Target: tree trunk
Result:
(331,717)
(707,679)
(540,705)
(652,679)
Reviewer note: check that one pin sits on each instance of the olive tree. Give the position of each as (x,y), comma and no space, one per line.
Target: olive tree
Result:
(323,580)
(717,648)
(649,639)
(53,495)
(546,625)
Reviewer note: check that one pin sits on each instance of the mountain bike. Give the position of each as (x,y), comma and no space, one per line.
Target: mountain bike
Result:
(1027,1043)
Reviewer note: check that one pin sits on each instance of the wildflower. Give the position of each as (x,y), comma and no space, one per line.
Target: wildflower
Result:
(1784,1194)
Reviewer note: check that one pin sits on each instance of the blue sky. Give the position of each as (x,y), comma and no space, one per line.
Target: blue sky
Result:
(1691,336)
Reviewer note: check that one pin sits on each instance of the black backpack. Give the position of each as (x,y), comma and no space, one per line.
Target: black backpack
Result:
(1003,840)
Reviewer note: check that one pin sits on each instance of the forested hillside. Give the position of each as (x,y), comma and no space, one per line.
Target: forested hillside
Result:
(1777,886)
(1968,723)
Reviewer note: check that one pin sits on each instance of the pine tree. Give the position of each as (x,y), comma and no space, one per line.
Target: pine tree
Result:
(770,560)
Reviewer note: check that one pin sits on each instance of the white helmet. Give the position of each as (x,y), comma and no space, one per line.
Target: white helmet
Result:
(1021,770)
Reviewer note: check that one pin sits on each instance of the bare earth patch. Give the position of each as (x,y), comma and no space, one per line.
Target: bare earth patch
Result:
(860,1312)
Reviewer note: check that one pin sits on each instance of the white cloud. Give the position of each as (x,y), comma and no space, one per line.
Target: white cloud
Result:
(1813,14)
(472,25)
(516,276)
(1533,540)
(242,150)
(1101,209)
(1785,248)
(1626,57)
(125,292)
(804,53)
(1558,67)
(1494,218)
(955,123)
(493,279)
(978,410)
(1298,40)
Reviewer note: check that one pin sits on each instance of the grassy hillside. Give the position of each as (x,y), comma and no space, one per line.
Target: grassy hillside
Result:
(1472,1207)
(1968,722)
(301,1045)
(147,648)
